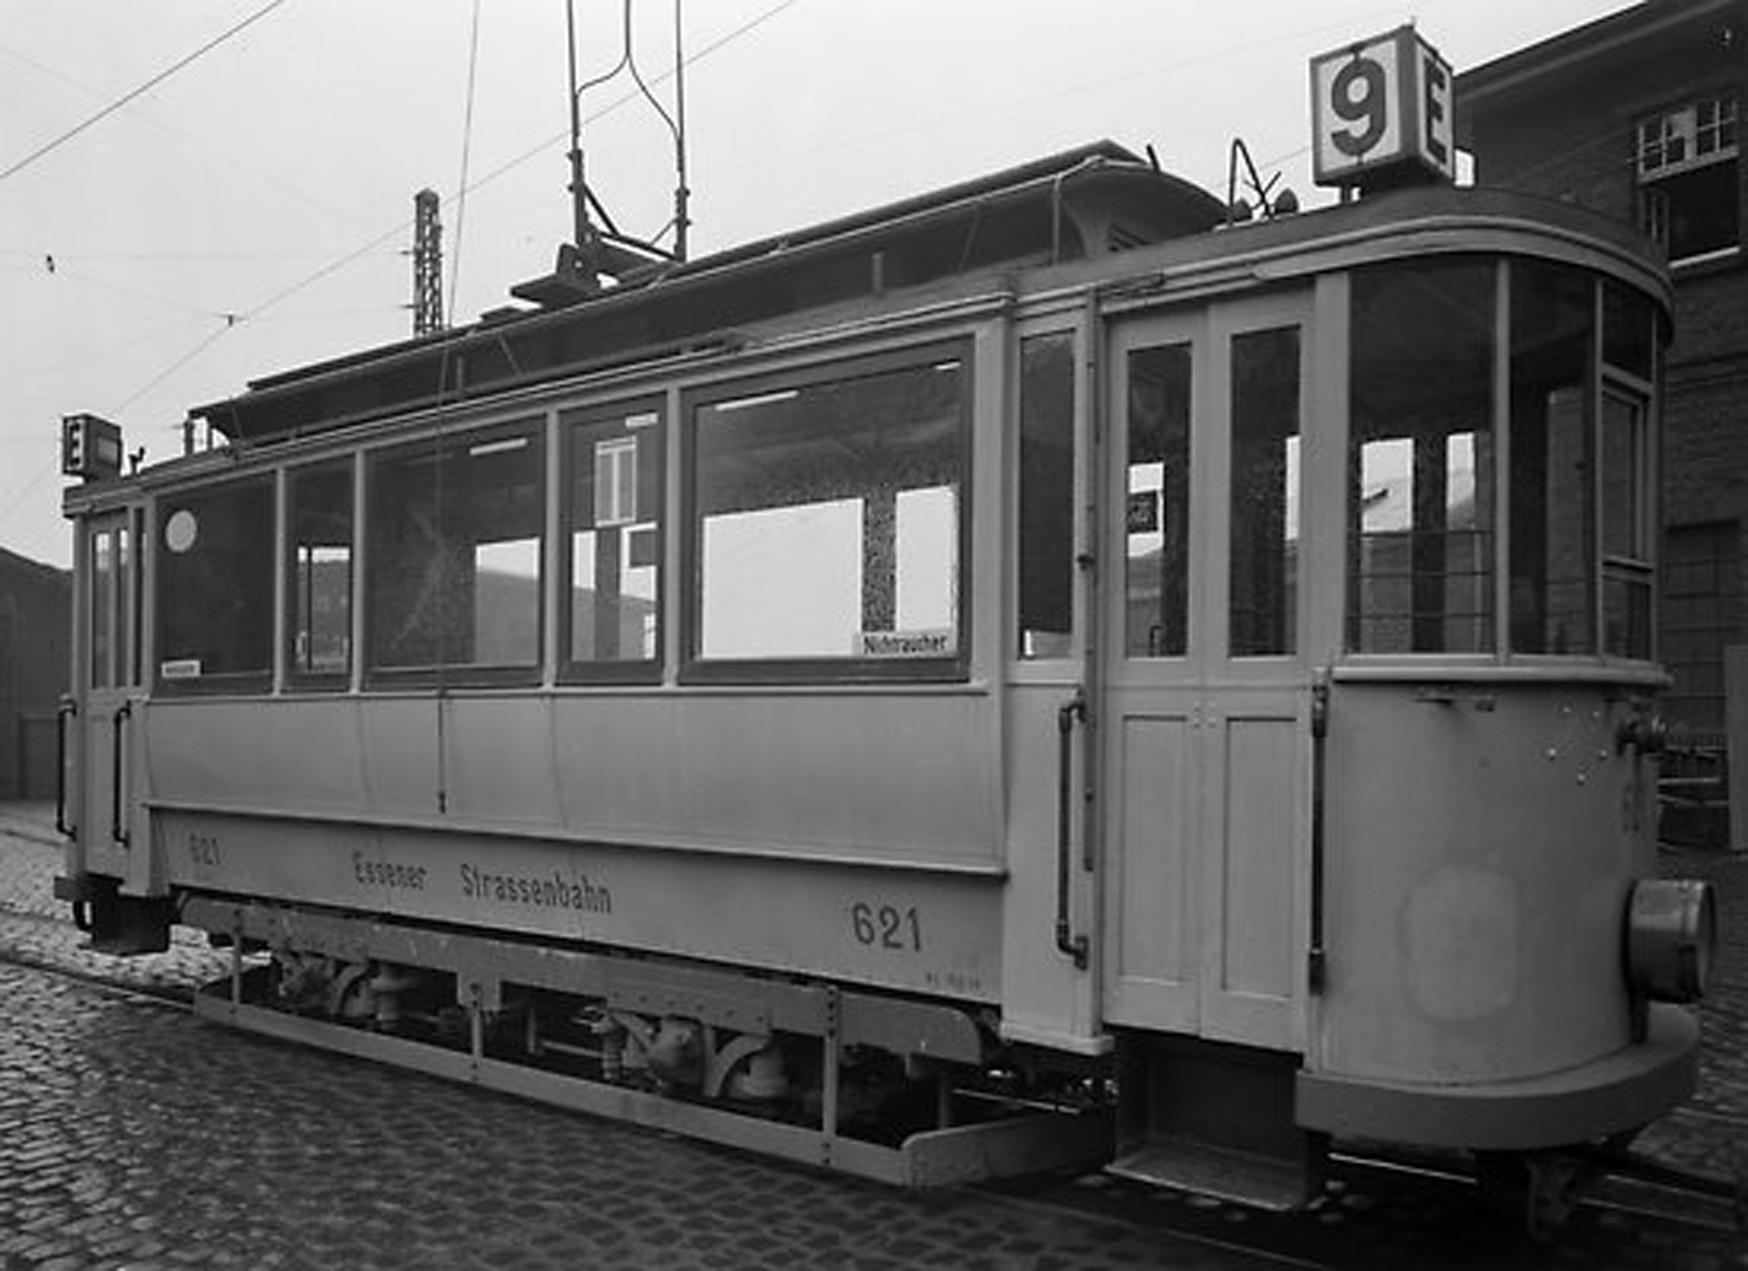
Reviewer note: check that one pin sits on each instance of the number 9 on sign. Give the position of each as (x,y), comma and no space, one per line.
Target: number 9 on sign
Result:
(1381,112)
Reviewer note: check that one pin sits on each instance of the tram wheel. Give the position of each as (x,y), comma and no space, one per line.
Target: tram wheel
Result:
(1539,1190)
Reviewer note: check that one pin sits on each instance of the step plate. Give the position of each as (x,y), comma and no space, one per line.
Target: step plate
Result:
(1263,1182)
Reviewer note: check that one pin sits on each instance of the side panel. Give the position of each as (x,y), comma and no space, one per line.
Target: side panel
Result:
(1481,843)
(895,929)
(891,778)
(1262,796)
(1156,876)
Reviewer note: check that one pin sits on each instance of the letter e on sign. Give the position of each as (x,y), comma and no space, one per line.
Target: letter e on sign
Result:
(1381,113)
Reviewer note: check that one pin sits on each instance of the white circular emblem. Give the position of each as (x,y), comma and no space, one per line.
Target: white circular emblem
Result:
(181,530)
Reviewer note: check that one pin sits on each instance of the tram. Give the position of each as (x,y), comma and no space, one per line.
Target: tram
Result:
(1039,674)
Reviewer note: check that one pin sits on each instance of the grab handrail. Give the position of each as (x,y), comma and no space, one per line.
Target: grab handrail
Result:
(1075,708)
(118,827)
(67,709)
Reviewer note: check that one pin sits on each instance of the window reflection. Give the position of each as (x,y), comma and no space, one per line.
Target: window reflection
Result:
(616,489)
(1047,496)
(456,530)
(829,519)
(1552,564)
(1420,463)
(1157,512)
(215,583)
(320,527)
(1265,484)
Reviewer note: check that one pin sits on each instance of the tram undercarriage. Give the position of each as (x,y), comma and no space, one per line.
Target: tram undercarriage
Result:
(905,1092)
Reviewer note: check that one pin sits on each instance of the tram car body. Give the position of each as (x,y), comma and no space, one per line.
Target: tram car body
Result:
(1032,675)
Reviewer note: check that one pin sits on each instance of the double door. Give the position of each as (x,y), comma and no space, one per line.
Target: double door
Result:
(99,798)
(1206,692)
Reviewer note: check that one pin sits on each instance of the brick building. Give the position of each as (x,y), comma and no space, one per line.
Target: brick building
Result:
(1636,115)
(35,624)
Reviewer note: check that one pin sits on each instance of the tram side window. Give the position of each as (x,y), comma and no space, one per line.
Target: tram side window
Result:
(104,575)
(1552,561)
(612,616)
(320,577)
(1156,513)
(453,575)
(1420,461)
(1629,354)
(1047,496)
(215,587)
(1263,569)
(1626,527)
(829,525)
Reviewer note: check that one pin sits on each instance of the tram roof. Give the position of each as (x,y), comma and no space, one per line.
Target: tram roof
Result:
(1078,203)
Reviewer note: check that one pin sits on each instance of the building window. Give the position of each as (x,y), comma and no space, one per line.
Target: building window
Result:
(1687,179)
(1701,614)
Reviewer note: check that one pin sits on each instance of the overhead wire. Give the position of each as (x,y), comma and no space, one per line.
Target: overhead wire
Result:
(466,153)
(57,142)
(248,315)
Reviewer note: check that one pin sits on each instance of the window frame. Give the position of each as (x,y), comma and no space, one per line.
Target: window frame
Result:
(573,418)
(531,424)
(1680,127)
(1600,380)
(1486,439)
(694,668)
(240,683)
(301,681)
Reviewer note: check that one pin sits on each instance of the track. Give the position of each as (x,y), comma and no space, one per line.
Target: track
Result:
(1386,1213)
(1377,1212)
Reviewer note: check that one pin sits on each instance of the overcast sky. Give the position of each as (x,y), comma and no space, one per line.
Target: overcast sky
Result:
(251,211)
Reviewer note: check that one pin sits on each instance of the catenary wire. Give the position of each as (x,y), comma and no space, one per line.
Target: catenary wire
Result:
(466,154)
(55,143)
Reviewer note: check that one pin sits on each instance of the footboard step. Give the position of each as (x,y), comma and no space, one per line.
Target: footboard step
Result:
(1264,1182)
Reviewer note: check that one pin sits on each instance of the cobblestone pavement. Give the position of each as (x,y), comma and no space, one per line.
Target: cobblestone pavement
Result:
(135,1135)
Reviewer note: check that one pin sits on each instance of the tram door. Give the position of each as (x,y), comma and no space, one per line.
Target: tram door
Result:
(1206,723)
(107,677)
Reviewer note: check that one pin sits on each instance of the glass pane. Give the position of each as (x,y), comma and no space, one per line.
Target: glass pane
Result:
(802,563)
(1700,209)
(1047,496)
(1420,465)
(103,575)
(1265,486)
(127,594)
(456,530)
(320,525)
(215,582)
(1626,613)
(1157,511)
(615,536)
(1552,563)
(1625,532)
(1628,330)
(829,518)
(927,583)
